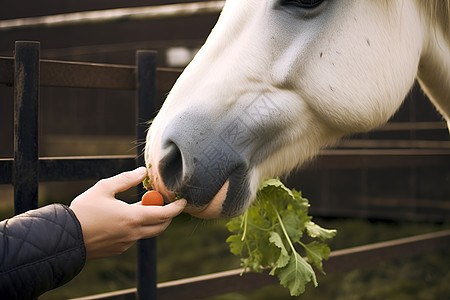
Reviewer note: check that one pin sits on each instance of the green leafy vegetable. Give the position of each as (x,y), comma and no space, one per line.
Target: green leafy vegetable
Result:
(267,234)
(147,183)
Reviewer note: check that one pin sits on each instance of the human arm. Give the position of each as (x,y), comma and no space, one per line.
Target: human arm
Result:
(45,248)
(40,250)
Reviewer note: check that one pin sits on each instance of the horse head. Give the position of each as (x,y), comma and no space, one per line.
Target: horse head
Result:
(276,81)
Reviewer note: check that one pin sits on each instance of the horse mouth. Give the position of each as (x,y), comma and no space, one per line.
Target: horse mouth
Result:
(230,200)
(213,209)
(227,200)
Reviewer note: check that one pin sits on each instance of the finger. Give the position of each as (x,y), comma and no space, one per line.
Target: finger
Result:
(154,230)
(123,181)
(151,215)
(155,219)
(175,208)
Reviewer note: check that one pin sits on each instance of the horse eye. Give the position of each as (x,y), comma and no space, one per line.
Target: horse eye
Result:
(306,4)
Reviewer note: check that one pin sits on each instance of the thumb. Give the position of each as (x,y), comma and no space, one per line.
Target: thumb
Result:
(123,181)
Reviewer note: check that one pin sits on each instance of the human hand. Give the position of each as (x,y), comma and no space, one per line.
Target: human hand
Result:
(111,226)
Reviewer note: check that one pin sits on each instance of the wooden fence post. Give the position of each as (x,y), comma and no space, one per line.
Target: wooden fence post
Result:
(146,105)
(26,123)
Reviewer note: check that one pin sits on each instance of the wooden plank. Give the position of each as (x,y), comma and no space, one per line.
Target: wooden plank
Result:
(73,168)
(117,14)
(75,74)
(340,260)
(404,213)
(393,144)
(327,160)
(26,124)
(214,284)
(378,158)
(146,103)
(400,126)
(366,255)
(128,294)
(88,75)
(81,168)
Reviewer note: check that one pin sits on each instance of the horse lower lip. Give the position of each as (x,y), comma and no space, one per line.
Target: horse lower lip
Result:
(213,209)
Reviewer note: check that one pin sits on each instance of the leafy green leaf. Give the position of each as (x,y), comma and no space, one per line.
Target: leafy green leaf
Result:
(315,230)
(316,252)
(296,275)
(283,259)
(275,239)
(265,235)
(236,244)
(294,225)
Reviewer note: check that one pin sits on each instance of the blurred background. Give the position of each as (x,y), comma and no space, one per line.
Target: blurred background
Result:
(366,203)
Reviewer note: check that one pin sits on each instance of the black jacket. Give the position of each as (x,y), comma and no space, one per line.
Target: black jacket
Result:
(39,250)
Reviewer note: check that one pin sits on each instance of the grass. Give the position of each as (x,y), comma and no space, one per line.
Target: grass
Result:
(423,277)
(190,247)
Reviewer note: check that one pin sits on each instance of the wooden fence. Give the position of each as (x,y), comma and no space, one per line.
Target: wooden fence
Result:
(165,12)
(26,72)
(232,281)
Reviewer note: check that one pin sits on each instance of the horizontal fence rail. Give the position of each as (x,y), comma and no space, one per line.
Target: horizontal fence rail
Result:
(91,167)
(87,75)
(341,260)
(118,14)
(379,158)
(73,168)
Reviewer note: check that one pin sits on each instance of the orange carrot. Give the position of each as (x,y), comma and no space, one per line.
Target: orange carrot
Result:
(152,198)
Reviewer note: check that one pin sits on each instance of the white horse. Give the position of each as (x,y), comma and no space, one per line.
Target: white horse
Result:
(279,79)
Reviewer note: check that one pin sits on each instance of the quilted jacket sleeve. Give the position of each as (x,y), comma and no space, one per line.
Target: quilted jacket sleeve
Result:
(40,250)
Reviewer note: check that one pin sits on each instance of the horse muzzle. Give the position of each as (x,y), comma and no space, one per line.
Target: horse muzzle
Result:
(206,164)
(207,155)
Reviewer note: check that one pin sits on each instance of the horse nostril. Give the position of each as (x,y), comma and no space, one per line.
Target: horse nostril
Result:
(171,167)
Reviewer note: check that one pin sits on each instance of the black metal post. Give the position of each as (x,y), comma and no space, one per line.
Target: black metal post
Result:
(26,116)
(146,106)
